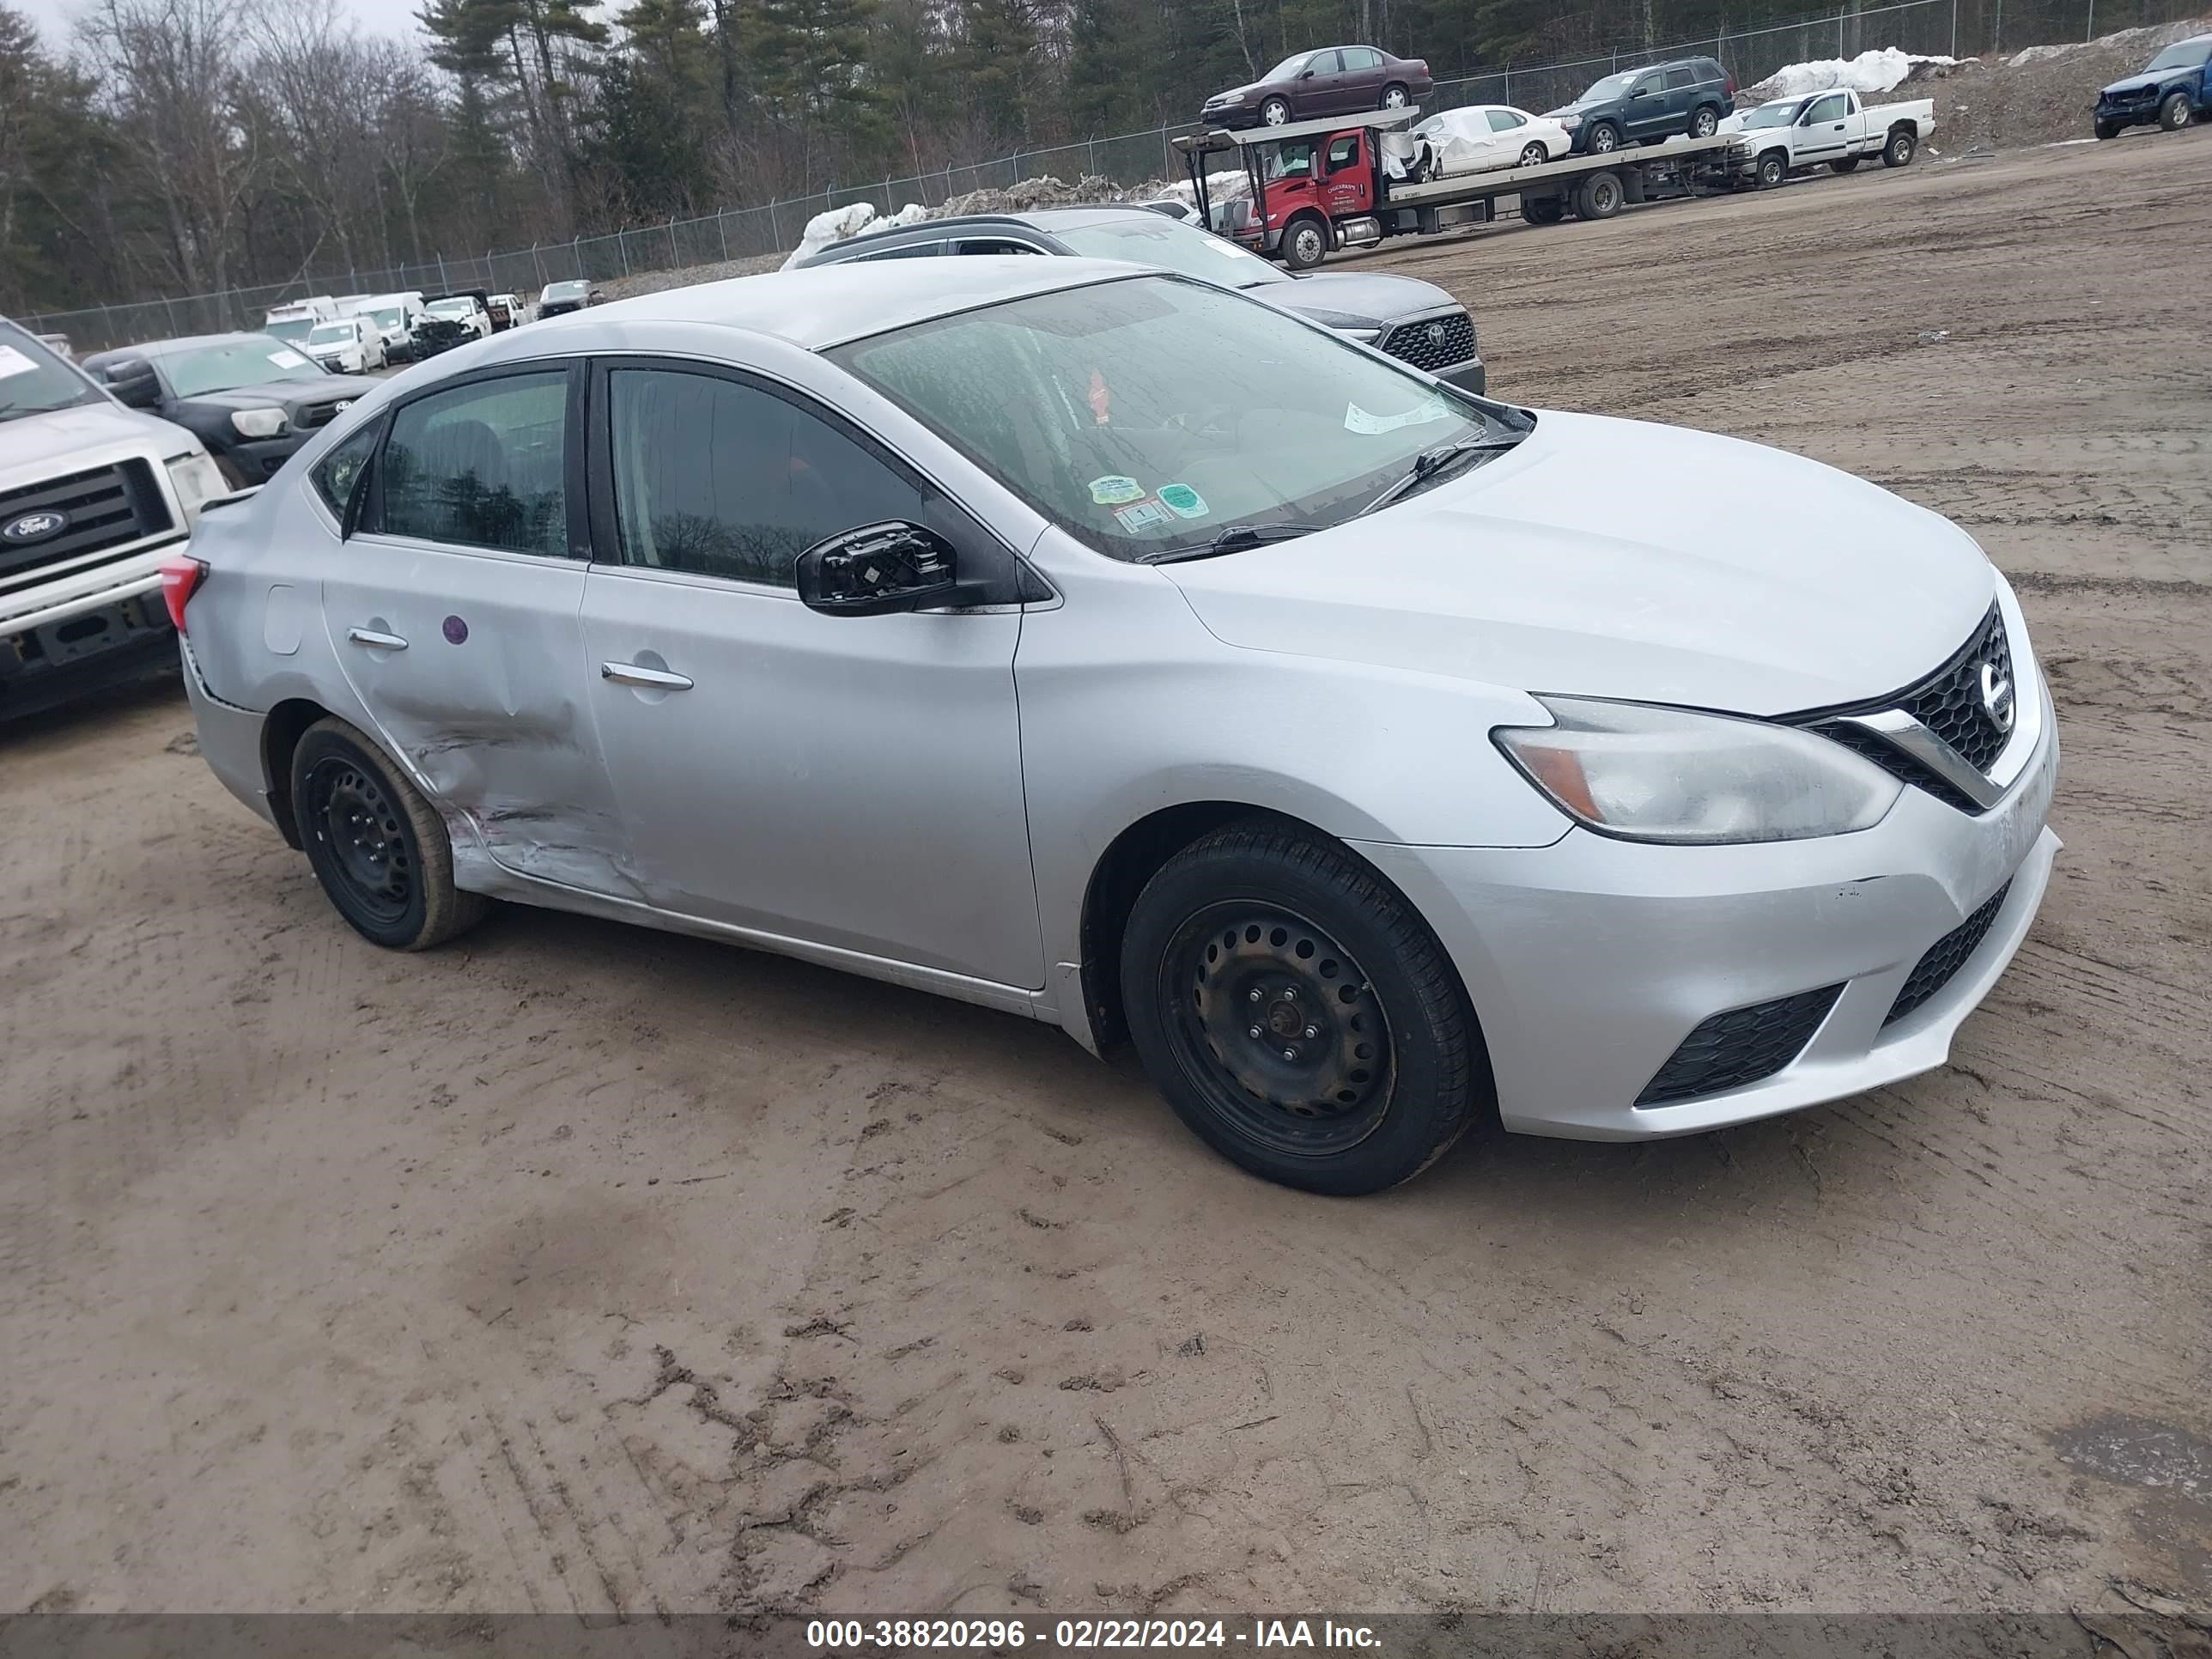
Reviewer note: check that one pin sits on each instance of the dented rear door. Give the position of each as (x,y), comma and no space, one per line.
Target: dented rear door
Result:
(454,609)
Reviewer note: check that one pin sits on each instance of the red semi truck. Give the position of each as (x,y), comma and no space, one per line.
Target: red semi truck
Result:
(1313,186)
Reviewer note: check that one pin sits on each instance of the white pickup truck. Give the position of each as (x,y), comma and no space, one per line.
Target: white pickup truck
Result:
(1776,139)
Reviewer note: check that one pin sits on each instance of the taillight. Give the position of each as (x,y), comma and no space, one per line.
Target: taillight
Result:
(181,579)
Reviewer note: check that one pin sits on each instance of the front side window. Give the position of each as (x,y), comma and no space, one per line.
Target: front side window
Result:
(721,478)
(1327,63)
(1830,108)
(1150,413)
(1651,83)
(2190,54)
(1343,152)
(481,465)
(338,472)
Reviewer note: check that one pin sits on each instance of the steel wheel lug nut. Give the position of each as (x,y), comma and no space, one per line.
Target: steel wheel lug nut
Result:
(1313,1030)
(1255,994)
(1289,1053)
(1291,992)
(1255,1031)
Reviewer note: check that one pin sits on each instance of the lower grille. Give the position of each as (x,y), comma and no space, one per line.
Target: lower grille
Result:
(1943,959)
(103,507)
(315,414)
(1741,1046)
(1438,343)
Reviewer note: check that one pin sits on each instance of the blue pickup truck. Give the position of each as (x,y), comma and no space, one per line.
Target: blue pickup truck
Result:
(2176,87)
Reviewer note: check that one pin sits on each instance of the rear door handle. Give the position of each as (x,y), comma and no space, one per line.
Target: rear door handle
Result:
(630,673)
(369,636)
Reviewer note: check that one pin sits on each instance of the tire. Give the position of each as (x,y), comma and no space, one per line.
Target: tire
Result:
(1705,122)
(1770,170)
(1305,241)
(1599,196)
(1604,138)
(2174,113)
(1394,96)
(1542,210)
(1275,112)
(1533,156)
(1845,164)
(1902,147)
(379,850)
(2108,129)
(1267,922)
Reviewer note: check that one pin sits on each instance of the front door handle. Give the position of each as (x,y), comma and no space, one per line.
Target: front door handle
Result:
(369,636)
(631,673)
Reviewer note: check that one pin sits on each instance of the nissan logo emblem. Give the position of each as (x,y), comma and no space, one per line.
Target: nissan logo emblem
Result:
(1996,696)
(33,526)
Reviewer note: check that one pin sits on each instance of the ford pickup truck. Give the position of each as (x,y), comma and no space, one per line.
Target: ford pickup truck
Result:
(1810,129)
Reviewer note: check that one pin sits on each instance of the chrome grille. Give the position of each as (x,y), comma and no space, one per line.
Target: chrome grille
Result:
(1432,342)
(103,508)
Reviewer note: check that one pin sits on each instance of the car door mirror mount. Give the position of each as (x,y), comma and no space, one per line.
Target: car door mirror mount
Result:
(879,569)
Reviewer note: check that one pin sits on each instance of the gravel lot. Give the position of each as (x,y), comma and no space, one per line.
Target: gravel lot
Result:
(578,1267)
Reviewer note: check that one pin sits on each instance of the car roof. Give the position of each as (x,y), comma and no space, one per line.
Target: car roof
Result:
(822,306)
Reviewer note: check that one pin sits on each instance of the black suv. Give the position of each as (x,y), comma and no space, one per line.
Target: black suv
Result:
(1643,106)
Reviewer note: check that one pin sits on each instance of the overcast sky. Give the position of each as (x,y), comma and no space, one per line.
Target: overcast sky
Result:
(395,17)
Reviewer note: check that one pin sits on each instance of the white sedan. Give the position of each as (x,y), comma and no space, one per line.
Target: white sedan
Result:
(1482,137)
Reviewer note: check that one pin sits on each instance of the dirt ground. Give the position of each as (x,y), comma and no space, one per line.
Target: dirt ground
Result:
(580,1268)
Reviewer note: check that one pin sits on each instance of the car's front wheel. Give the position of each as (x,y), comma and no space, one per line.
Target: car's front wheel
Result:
(1298,1013)
(379,850)
(2108,129)
(1305,242)
(1275,112)
(1604,138)
(2174,113)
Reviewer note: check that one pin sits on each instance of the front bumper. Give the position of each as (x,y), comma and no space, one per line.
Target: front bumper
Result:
(1590,961)
(255,460)
(89,650)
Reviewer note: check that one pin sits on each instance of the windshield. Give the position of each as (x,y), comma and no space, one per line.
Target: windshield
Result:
(1151,413)
(1774,115)
(2188,55)
(293,328)
(560,291)
(389,317)
(250,360)
(331,334)
(452,307)
(1614,86)
(1287,68)
(1175,247)
(34,381)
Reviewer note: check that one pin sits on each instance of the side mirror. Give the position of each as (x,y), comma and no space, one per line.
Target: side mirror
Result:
(877,569)
(1306,75)
(134,384)
(1640,92)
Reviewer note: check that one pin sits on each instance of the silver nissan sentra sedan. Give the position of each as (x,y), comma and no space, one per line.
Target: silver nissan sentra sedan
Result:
(1106,647)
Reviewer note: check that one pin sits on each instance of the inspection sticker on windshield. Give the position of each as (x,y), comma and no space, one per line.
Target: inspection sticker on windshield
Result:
(13,362)
(1357,419)
(1112,489)
(1143,515)
(286,358)
(1183,501)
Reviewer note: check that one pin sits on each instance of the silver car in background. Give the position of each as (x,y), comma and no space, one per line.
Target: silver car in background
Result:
(1109,648)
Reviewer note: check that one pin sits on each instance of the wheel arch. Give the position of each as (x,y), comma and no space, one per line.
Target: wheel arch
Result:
(281,729)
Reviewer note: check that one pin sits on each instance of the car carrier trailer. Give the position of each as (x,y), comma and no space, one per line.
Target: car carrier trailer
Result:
(1316,186)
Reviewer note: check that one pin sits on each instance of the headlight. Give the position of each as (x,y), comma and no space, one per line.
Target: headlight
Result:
(259,423)
(1569,122)
(1365,336)
(196,479)
(1667,774)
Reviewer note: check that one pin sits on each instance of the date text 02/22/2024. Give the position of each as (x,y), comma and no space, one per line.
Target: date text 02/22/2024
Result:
(856,1635)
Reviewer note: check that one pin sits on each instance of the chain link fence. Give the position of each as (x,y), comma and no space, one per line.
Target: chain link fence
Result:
(1950,27)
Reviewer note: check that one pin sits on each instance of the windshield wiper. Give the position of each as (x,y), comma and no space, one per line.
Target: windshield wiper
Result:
(1431,464)
(1232,538)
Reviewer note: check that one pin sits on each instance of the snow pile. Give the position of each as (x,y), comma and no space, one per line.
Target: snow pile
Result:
(1868,74)
(854,219)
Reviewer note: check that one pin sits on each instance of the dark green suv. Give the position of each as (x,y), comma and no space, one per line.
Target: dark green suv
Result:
(1643,106)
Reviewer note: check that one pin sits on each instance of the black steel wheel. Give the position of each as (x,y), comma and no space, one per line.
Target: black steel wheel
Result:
(379,848)
(1298,1013)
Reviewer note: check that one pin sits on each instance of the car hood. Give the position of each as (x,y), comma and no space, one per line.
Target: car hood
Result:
(290,396)
(1348,299)
(2146,82)
(35,440)
(1579,107)
(1232,92)
(1617,559)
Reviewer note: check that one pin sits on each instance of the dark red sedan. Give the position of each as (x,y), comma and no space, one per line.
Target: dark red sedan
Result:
(1333,81)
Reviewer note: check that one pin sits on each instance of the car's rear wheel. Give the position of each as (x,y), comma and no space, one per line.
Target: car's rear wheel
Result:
(1275,112)
(1298,1013)
(1845,164)
(1900,149)
(1534,155)
(1395,97)
(1705,123)
(379,850)
(1604,138)
(1305,241)
(2174,113)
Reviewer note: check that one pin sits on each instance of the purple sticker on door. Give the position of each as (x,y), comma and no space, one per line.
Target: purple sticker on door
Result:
(456,630)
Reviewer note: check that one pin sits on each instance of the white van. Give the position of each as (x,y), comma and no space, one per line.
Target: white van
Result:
(396,316)
(291,321)
(93,498)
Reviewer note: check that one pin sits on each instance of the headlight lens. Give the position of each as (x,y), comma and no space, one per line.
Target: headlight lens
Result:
(259,423)
(196,479)
(1667,774)
(1571,122)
